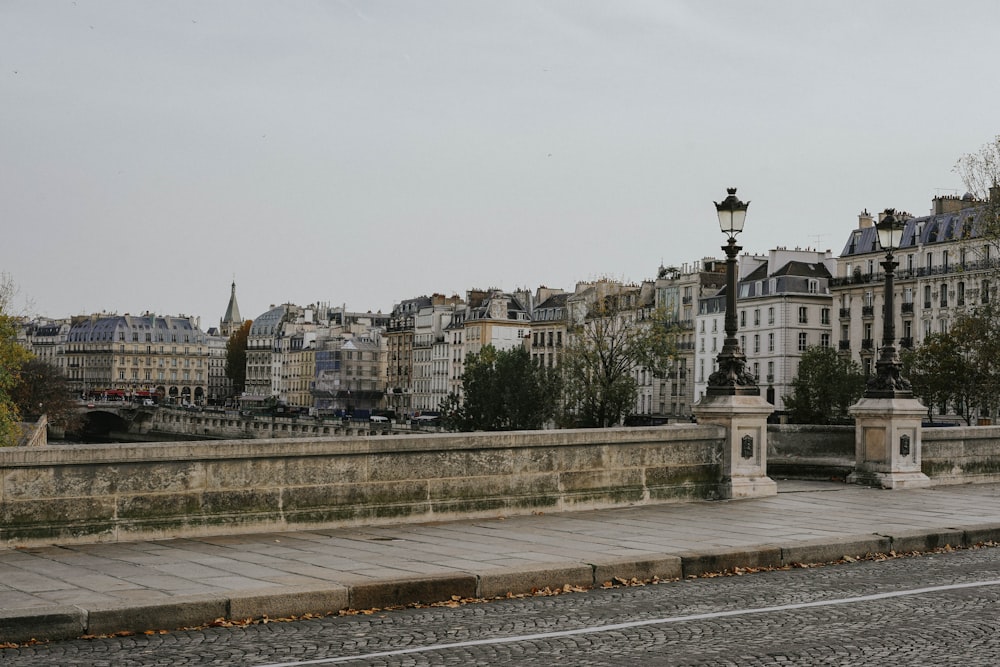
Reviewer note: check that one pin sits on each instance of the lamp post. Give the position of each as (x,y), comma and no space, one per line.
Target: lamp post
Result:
(732,399)
(887,381)
(731,378)
(887,419)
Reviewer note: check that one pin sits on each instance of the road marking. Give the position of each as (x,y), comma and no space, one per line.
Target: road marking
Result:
(636,624)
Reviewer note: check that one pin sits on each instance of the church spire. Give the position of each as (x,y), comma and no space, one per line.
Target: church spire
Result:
(231,321)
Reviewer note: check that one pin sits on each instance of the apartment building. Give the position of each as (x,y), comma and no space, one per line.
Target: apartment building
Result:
(128,355)
(945,268)
(679,290)
(784,306)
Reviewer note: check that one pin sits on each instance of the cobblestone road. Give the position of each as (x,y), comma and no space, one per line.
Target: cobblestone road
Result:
(736,624)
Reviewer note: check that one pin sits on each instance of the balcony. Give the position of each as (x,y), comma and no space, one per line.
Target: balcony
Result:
(868,311)
(844,345)
(908,308)
(906,343)
(867,344)
(845,313)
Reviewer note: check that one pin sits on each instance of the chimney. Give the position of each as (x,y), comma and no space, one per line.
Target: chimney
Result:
(865,219)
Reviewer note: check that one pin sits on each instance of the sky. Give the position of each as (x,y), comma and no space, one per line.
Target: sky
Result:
(362,153)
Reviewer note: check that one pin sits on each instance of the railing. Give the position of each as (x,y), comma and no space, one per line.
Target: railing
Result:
(844,345)
(867,344)
(907,308)
(845,312)
(868,311)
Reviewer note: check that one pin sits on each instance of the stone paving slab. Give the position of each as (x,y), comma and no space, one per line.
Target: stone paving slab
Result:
(63,591)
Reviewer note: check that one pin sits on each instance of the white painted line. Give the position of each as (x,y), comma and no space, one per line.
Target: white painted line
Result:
(637,624)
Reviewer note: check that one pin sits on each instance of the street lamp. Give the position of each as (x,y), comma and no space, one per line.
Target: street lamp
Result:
(887,381)
(732,378)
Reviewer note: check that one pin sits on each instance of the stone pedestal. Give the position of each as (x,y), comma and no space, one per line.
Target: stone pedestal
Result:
(745,455)
(887,443)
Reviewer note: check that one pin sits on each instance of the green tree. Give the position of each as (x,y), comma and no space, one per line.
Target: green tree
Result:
(824,388)
(503,390)
(236,357)
(958,368)
(12,357)
(43,389)
(604,351)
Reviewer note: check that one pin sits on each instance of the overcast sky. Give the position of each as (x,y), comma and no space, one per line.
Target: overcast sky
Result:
(362,153)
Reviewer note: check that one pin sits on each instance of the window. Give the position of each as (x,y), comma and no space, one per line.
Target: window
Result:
(985,291)
(803,341)
(824,340)
(813,286)
(803,315)
(824,316)
(961,294)
(756,317)
(909,263)
(944,259)
(929,263)
(756,371)
(770,342)
(770,315)
(907,329)
(927,296)
(869,299)
(743,319)
(756,342)
(770,371)
(944,296)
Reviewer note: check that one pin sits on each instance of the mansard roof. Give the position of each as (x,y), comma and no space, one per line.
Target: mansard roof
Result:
(939,228)
(108,327)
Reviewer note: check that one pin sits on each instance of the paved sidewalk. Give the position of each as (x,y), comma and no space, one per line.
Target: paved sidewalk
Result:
(67,591)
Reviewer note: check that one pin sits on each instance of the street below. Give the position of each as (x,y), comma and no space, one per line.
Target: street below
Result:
(931,609)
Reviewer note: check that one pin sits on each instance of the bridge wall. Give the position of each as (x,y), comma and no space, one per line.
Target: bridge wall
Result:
(227,425)
(960,455)
(86,493)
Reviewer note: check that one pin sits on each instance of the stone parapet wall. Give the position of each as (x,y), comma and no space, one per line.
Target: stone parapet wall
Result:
(88,493)
(961,455)
(804,451)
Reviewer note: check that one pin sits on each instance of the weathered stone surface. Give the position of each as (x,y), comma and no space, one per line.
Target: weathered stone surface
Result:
(100,492)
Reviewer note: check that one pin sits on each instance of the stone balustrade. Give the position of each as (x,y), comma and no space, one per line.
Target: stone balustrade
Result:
(87,493)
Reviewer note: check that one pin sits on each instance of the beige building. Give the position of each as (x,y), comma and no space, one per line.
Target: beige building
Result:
(128,356)
(945,269)
(548,327)
(678,293)
(496,318)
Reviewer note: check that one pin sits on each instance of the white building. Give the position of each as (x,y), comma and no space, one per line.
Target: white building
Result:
(783,306)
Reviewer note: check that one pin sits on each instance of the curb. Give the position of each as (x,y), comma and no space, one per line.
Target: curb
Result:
(68,622)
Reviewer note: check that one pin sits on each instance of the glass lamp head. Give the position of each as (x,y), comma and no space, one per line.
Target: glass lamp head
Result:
(732,213)
(890,230)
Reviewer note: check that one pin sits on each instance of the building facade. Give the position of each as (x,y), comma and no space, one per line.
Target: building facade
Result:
(124,355)
(784,307)
(945,268)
